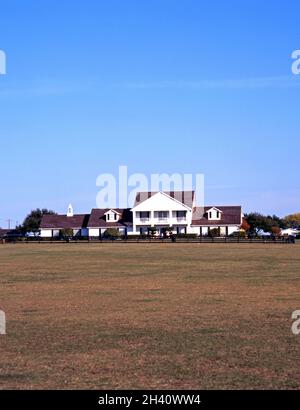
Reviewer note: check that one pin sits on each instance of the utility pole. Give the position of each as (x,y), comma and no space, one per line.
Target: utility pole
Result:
(9,221)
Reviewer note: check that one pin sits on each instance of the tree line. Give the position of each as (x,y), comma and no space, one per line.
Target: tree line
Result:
(270,223)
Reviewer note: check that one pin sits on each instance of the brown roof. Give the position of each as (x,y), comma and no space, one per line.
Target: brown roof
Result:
(231,216)
(98,219)
(64,222)
(185,197)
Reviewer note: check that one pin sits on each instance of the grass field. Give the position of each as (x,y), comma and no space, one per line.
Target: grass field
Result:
(164,316)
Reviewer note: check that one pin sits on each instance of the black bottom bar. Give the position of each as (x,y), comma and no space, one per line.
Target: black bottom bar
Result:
(137,398)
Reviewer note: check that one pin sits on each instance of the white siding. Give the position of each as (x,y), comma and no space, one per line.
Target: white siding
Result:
(46,233)
(93,231)
(232,229)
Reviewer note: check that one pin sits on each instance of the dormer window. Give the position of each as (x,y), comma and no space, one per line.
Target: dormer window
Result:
(112,216)
(214,214)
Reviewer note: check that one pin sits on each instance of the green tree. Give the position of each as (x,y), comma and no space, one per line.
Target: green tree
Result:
(33,220)
(266,223)
(293,220)
(280,222)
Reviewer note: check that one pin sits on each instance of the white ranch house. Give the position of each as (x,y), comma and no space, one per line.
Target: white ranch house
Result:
(160,210)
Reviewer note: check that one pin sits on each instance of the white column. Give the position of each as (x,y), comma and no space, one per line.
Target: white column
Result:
(152,218)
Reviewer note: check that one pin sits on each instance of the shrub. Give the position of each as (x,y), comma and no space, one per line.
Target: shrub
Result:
(152,231)
(187,235)
(111,233)
(135,237)
(213,232)
(238,234)
(276,230)
(66,233)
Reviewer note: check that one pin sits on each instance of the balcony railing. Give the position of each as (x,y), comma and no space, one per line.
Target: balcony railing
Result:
(144,219)
(161,219)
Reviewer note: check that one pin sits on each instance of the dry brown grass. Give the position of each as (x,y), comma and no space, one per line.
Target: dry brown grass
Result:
(149,316)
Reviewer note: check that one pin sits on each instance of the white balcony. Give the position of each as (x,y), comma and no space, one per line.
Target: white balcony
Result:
(181,219)
(143,220)
(160,218)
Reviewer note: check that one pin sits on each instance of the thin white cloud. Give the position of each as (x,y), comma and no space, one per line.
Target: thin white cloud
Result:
(214,187)
(49,87)
(45,88)
(263,82)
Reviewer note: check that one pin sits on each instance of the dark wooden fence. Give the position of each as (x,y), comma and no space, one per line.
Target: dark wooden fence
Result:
(203,239)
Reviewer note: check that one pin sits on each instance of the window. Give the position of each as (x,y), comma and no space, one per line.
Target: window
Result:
(180,214)
(162,214)
(144,216)
(214,214)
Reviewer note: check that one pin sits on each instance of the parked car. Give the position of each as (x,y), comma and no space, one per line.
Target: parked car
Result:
(32,234)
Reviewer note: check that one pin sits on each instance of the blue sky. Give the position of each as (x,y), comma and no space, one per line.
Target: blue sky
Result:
(160,86)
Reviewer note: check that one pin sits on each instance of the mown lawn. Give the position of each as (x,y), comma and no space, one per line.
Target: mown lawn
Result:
(131,316)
